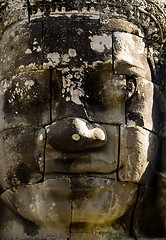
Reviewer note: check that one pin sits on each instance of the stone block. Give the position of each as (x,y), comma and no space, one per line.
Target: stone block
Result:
(74,135)
(75,43)
(25,99)
(92,182)
(21,158)
(102,97)
(146,106)
(94,210)
(138,155)
(98,160)
(148,221)
(140,106)
(130,55)
(107,95)
(45,205)
(20,46)
(120,25)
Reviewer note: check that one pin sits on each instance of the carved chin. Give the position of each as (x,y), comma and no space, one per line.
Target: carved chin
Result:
(59,202)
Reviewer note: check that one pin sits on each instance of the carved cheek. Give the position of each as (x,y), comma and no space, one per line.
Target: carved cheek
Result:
(20,97)
(20,157)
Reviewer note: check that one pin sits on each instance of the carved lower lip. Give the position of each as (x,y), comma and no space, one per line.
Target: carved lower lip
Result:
(79,165)
(78,183)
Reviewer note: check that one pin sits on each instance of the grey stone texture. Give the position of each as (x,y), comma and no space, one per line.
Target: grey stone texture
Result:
(97,161)
(20,46)
(137,162)
(20,163)
(25,99)
(82,120)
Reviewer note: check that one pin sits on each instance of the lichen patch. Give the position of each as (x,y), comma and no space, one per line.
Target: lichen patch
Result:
(54,57)
(72,86)
(29,83)
(100,43)
(72,52)
(28,51)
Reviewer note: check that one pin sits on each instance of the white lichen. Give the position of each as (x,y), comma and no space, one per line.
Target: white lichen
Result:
(72,52)
(54,57)
(72,86)
(29,83)
(28,51)
(100,43)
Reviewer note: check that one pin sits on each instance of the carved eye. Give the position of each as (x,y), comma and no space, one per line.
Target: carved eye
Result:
(131,86)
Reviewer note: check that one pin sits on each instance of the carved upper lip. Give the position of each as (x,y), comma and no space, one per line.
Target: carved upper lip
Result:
(80,164)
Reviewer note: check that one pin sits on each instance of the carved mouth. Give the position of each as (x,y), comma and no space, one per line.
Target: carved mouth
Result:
(77,183)
(79,165)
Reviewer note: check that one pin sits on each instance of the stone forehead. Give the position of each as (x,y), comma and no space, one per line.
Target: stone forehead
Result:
(146,14)
(150,15)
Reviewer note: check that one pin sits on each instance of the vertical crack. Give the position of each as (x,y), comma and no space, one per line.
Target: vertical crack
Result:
(113,70)
(44,153)
(126,102)
(70,227)
(132,232)
(28,10)
(118,163)
(51,72)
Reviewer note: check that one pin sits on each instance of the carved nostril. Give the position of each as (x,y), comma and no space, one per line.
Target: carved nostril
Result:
(76,137)
(74,134)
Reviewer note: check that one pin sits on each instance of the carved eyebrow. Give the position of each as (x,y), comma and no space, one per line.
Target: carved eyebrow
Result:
(133,71)
(128,64)
(139,66)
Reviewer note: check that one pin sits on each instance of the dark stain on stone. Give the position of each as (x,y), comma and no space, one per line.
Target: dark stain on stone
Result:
(20,175)
(30,228)
(136,117)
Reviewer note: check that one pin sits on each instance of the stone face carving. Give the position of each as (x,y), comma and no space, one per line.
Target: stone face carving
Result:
(82,120)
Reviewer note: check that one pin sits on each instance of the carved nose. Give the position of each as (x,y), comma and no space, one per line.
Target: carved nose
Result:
(75,134)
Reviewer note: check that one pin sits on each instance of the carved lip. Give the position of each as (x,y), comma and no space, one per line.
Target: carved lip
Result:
(80,182)
(79,165)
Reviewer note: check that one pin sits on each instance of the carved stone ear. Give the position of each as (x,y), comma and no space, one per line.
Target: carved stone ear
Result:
(130,86)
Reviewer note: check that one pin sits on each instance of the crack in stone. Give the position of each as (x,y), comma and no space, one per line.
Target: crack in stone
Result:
(113,70)
(51,93)
(151,131)
(132,233)
(44,152)
(71,205)
(118,160)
